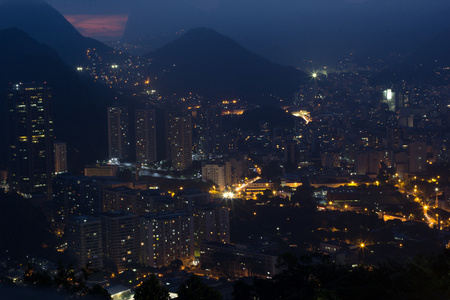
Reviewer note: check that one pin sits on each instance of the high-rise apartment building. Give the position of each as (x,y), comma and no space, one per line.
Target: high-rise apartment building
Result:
(368,161)
(204,225)
(140,202)
(187,199)
(222,224)
(417,156)
(225,172)
(30,139)
(60,152)
(180,137)
(211,223)
(84,241)
(75,196)
(120,233)
(166,237)
(209,131)
(216,172)
(145,132)
(118,132)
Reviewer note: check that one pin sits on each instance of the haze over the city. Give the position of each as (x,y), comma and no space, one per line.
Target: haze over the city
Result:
(286,31)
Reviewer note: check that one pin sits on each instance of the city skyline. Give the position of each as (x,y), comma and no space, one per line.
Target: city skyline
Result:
(224,149)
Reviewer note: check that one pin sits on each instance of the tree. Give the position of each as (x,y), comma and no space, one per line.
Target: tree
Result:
(66,279)
(151,289)
(272,170)
(287,261)
(195,289)
(98,292)
(221,262)
(304,196)
(176,265)
(32,278)
(242,291)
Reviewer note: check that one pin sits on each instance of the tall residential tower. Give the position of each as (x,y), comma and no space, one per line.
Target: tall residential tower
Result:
(180,137)
(145,131)
(30,139)
(118,133)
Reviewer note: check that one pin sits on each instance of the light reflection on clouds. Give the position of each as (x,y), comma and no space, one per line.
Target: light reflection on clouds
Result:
(111,26)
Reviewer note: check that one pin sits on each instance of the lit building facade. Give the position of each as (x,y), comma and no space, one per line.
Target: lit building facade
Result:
(30,139)
(166,237)
(204,226)
(417,156)
(118,132)
(211,223)
(216,172)
(101,170)
(224,173)
(368,161)
(241,262)
(145,132)
(84,241)
(60,152)
(120,233)
(180,138)
(222,225)
(140,202)
(209,131)
(187,199)
(75,196)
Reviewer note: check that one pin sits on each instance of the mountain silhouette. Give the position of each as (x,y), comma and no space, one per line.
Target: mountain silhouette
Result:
(46,25)
(163,21)
(434,51)
(79,106)
(427,62)
(206,62)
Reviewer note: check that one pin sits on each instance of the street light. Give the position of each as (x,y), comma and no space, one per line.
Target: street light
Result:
(362,246)
(228,195)
(314,77)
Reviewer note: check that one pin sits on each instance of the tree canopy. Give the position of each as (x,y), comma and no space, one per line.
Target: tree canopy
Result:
(195,289)
(151,289)
(424,277)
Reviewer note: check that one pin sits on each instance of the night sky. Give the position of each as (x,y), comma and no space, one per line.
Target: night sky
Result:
(107,18)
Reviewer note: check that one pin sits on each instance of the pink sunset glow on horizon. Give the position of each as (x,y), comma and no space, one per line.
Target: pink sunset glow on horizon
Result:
(99,26)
